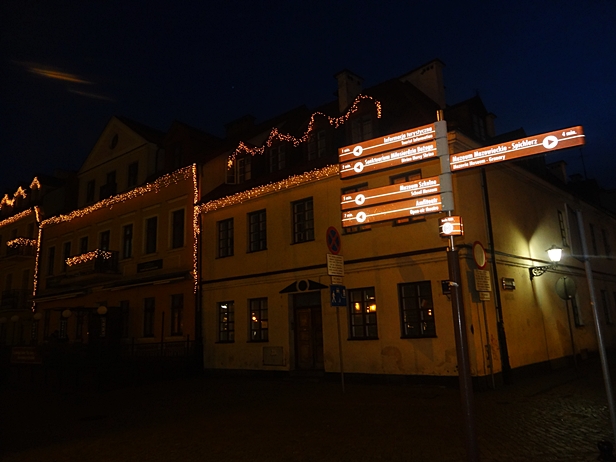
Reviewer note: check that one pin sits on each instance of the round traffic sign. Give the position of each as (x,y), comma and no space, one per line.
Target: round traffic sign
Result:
(566,288)
(479,255)
(334,243)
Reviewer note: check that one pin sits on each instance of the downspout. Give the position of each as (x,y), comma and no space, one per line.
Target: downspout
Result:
(500,324)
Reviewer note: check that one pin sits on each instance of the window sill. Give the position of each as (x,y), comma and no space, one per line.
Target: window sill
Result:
(361,339)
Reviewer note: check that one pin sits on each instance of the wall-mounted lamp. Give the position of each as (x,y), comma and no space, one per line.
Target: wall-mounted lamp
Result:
(555,253)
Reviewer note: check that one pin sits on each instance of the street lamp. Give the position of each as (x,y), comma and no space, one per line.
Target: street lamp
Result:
(555,253)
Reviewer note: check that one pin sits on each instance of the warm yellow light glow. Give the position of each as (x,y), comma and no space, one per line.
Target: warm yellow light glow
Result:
(160,183)
(15,218)
(357,306)
(274,135)
(88,256)
(291,182)
(35,183)
(372,308)
(21,241)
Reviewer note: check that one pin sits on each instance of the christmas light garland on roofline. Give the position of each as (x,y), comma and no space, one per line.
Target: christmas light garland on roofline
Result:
(295,180)
(274,135)
(160,183)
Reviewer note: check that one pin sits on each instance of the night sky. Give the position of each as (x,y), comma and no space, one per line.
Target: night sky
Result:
(68,66)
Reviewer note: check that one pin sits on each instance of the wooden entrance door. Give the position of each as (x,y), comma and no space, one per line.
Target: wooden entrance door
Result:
(308,336)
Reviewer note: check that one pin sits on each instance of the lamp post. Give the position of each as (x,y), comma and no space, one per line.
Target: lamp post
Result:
(555,253)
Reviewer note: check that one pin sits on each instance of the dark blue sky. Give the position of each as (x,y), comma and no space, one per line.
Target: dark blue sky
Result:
(68,66)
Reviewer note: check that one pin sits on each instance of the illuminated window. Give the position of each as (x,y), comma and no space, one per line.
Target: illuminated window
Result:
(416,310)
(151,232)
(404,178)
(226,322)
(303,221)
(225,238)
(353,189)
(177,312)
(258,320)
(257,231)
(127,241)
(149,310)
(177,229)
(362,313)
(277,158)
(317,145)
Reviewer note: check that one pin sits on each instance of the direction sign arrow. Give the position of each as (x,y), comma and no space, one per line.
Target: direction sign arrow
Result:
(545,142)
(403,156)
(395,192)
(375,146)
(391,211)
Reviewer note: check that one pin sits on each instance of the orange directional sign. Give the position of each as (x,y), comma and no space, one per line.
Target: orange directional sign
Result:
(451,226)
(387,143)
(538,144)
(393,210)
(388,159)
(395,192)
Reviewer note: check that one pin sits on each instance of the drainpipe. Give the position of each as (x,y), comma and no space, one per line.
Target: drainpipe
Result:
(500,324)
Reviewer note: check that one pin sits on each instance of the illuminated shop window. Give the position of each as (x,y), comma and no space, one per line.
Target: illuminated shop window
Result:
(362,314)
(226,322)
(303,221)
(258,320)
(224,230)
(257,231)
(416,310)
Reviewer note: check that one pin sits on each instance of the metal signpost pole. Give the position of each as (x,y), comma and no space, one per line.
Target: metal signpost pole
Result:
(593,304)
(340,348)
(464,370)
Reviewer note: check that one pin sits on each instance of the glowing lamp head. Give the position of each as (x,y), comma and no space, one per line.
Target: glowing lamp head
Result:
(555,253)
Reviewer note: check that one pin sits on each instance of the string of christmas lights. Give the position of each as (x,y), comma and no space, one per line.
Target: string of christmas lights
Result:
(89,256)
(16,217)
(36,266)
(160,183)
(274,135)
(296,180)
(21,241)
(195,227)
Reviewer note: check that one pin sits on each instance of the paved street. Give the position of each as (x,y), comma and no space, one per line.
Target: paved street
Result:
(558,416)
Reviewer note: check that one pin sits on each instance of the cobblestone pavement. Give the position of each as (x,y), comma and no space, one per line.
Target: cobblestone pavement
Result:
(558,416)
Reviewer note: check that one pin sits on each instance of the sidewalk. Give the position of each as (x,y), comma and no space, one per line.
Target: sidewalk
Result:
(558,416)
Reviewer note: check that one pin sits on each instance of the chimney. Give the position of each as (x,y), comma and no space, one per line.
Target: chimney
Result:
(349,86)
(429,79)
(239,126)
